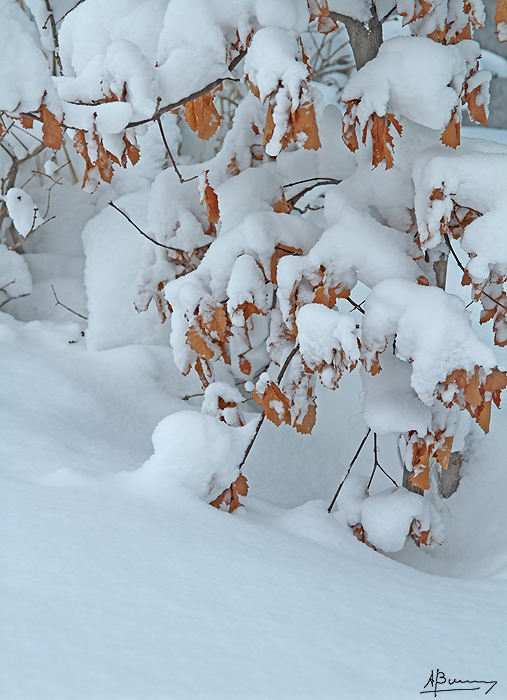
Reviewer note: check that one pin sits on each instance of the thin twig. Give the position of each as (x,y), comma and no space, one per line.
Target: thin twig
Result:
(211,86)
(140,230)
(348,471)
(2,289)
(69,11)
(56,57)
(377,464)
(263,415)
(182,180)
(59,303)
(322,180)
(356,306)
(12,299)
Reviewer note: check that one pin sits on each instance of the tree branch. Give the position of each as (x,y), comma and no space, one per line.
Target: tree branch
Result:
(358,452)
(263,415)
(211,86)
(59,303)
(182,180)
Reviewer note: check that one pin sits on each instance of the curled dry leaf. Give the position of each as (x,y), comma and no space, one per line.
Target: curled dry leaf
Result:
(230,497)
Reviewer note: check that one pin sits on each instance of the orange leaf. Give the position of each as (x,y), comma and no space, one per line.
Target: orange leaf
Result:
(131,151)
(349,136)
(211,200)
(451,135)
(202,117)
(26,123)
(483,416)
(241,485)
(282,206)
(305,426)
(495,382)
(304,123)
(422,480)
(477,112)
(472,393)
(443,454)
(275,404)
(52,133)
(198,343)
(244,364)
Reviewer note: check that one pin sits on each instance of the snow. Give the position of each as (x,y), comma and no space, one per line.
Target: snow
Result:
(412,76)
(118,578)
(433,332)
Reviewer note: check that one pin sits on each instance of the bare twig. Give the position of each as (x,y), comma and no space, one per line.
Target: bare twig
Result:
(377,464)
(140,230)
(321,181)
(51,19)
(263,415)
(12,299)
(2,289)
(211,86)
(59,303)
(69,11)
(356,306)
(182,180)
(358,452)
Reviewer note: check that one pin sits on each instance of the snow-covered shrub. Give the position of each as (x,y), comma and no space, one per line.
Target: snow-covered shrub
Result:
(259,254)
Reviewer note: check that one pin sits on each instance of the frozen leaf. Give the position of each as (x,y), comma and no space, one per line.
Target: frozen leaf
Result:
(443,454)
(198,343)
(282,206)
(244,364)
(211,200)
(451,135)
(501,20)
(202,117)
(275,404)
(304,122)
(131,152)
(52,132)
(230,497)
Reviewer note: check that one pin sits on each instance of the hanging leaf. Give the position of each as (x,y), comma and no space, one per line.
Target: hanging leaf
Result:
(451,135)
(210,198)
(202,117)
(275,404)
(244,364)
(52,133)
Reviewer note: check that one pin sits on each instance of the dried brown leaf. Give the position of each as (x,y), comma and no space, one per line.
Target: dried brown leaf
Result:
(52,132)
(202,117)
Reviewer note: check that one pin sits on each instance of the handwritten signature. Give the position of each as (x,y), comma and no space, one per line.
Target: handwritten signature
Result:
(439,678)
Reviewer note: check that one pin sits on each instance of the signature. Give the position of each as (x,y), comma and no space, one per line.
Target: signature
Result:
(439,678)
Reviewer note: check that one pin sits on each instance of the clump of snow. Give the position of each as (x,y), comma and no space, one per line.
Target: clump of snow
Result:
(26,78)
(412,76)
(388,516)
(433,332)
(195,451)
(22,210)
(473,177)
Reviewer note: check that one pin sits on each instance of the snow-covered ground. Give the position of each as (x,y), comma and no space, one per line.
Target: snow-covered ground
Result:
(119,583)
